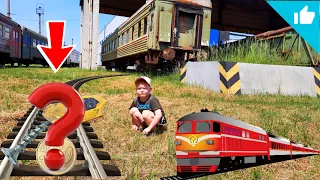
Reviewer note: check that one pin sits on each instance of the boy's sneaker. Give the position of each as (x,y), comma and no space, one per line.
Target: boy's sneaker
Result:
(141,128)
(144,125)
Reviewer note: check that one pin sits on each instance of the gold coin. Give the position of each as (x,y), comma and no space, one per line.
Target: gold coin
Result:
(70,156)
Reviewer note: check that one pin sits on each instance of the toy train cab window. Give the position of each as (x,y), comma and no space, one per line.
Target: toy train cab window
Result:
(199,127)
(185,127)
(202,127)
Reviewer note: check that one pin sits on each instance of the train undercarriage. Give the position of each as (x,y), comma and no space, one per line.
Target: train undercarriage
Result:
(168,60)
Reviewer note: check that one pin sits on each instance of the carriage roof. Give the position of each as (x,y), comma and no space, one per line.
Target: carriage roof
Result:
(23,28)
(218,117)
(7,20)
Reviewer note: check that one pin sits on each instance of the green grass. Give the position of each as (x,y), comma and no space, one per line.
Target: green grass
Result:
(138,157)
(253,51)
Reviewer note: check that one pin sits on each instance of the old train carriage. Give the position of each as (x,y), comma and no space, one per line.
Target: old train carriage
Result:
(30,53)
(73,59)
(10,45)
(161,34)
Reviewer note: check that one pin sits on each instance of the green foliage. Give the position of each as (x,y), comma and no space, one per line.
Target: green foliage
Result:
(253,51)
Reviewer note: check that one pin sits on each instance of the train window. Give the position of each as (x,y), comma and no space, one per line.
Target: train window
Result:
(243,134)
(139,29)
(132,33)
(38,41)
(247,134)
(1,30)
(127,36)
(202,127)
(14,35)
(185,127)
(17,37)
(6,32)
(216,127)
(122,42)
(145,26)
(34,42)
(151,23)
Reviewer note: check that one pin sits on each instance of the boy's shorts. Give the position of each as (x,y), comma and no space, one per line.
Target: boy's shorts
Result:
(163,122)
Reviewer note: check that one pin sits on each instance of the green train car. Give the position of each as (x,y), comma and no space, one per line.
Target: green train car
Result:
(162,34)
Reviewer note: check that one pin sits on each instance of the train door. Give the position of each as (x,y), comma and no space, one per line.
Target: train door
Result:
(28,46)
(186,30)
(188,25)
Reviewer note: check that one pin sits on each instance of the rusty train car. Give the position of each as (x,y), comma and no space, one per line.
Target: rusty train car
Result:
(162,34)
(207,142)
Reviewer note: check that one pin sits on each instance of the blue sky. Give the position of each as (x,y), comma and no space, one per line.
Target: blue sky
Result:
(24,12)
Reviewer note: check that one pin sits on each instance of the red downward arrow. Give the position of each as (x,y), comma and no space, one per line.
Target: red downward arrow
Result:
(55,54)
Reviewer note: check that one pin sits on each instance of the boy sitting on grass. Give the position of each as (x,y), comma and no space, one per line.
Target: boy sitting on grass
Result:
(145,110)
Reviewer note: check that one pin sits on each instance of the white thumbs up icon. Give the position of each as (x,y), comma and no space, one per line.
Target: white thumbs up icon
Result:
(305,16)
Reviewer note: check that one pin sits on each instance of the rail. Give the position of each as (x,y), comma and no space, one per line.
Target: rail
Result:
(6,166)
(96,169)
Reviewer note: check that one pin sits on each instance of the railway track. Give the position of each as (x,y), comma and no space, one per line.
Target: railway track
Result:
(84,139)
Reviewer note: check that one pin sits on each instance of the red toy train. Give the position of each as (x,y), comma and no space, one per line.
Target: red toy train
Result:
(209,142)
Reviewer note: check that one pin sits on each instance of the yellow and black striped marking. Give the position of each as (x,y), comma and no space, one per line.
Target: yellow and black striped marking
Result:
(183,71)
(316,72)
(229,78)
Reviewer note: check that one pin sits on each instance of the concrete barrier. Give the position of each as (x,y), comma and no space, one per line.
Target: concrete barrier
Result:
(245,78)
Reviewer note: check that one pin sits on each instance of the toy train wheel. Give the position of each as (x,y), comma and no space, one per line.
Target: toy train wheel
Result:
(238,162)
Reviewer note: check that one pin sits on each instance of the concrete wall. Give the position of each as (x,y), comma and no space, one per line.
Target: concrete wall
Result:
(288,80)
(205,74)
(245,78)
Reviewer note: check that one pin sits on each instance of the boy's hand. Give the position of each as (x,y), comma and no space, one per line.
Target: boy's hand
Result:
(146,130)
(134,128)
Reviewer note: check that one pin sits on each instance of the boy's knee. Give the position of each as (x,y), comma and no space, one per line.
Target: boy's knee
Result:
(133,111)
(147,114)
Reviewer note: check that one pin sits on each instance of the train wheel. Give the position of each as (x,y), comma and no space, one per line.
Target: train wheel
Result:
(2,66)
(12,64)
(238,162)
(27,64)
(262,159)
(225,164)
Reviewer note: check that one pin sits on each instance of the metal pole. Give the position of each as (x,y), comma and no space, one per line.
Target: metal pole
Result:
(72,41)
(90,35)
(39,23)
(8,8)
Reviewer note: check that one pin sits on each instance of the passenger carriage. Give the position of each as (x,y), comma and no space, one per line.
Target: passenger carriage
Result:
(10,46)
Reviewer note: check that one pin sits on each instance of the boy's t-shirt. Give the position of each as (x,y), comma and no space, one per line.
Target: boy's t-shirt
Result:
(152,104)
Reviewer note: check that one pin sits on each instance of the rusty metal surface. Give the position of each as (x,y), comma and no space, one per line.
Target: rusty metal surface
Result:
(169,54)
(270,33)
